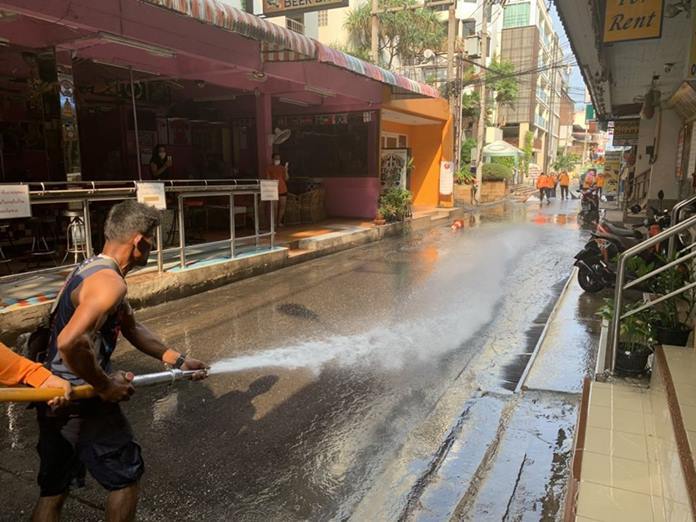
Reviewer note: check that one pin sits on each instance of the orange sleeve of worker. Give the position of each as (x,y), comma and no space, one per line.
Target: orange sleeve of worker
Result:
(15,369)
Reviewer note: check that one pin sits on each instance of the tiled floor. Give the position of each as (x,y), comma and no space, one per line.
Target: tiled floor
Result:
(682,367)
(630,468)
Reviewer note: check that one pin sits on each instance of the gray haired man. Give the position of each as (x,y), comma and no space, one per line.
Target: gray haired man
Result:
(91,312)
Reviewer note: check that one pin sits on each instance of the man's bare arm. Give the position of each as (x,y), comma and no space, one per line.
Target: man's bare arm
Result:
(150,344)
(141,336)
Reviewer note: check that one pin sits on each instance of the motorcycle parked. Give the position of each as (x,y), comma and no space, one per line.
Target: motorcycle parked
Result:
(596,269)
(589,208)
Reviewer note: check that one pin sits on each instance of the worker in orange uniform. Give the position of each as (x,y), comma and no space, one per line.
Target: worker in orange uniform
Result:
(15,369)
(564,182)
(599,181)
(280,173)
(543,186)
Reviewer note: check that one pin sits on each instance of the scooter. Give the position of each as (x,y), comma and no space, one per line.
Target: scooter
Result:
(589,208)
(596,269)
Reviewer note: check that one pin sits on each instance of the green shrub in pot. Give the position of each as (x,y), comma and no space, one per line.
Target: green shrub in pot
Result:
(395,204)
(496,172)
(673,315)
(635,337)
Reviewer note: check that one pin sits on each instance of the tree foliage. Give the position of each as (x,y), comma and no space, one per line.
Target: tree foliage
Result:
(508,161)
(566,161)
(502,81)
(404,33)
(528,150)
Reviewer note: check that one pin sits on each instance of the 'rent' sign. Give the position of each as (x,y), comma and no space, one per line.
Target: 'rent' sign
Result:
(626,20)
(285,7)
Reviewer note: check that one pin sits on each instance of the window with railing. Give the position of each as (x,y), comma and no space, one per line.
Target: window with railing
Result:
(516,15)
(323,18)
(294,25)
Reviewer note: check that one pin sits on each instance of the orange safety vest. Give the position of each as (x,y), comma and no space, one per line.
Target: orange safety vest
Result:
(600,181)
(542,181)
(564,179)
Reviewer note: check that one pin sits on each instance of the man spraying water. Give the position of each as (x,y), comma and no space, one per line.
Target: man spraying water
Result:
(91,311)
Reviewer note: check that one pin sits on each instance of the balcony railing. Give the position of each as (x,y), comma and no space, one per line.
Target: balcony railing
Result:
(294,25)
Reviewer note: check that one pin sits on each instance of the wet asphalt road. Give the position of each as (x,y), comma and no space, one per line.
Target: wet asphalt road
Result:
(369,344)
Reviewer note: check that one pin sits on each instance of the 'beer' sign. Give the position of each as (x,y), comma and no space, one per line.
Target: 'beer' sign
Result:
(285,7)
(626,20)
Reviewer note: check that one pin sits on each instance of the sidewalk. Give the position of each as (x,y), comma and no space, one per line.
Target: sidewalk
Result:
(26,299)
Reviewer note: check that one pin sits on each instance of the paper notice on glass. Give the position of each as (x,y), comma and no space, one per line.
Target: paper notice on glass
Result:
(14,201)
(269,190)
(152,194)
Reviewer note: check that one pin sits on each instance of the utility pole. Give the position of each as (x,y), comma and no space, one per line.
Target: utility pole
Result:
(454,86)
(481,128)
(374,39)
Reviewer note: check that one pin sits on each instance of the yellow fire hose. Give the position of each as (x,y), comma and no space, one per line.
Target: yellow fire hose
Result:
(86,391)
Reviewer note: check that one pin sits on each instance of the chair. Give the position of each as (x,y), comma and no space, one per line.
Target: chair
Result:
(76,236)
(41,227)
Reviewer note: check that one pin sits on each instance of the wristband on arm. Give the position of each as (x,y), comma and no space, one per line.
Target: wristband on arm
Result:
(173,358)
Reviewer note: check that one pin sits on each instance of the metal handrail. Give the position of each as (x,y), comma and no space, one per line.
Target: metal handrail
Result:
(674,219)
(621,275)
(86,192)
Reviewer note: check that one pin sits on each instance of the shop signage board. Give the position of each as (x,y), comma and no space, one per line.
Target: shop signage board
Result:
(446,178)
(152,194)
(612,169)
(627,20)
(14,201)
(284,7)
(626,132)
(269,190)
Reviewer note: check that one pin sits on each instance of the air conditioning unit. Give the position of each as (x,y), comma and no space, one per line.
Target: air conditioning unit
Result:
(472,46)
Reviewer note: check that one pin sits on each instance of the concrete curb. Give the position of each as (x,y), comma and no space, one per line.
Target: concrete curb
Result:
(523,379)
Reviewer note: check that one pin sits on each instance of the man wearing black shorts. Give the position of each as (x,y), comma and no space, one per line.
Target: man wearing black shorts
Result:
(91,311)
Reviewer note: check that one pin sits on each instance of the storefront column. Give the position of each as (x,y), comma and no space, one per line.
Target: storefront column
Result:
(68,116)
(264,130)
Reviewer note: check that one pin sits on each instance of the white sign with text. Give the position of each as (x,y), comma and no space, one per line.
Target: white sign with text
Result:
(152,194)
(269,190)
(446,178)
(14,201)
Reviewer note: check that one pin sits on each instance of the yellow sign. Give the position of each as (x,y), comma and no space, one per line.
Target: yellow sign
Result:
(626,132)
(284,7)
(626,20)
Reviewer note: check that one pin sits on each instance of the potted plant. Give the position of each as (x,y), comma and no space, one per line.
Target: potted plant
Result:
(635,338)
(395,205)
(672,315)
(379,218)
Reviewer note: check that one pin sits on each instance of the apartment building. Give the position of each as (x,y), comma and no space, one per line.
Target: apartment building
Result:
(529,41)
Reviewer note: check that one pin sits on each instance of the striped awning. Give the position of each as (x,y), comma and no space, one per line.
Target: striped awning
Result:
(221,14)
(328,55)
(281,44)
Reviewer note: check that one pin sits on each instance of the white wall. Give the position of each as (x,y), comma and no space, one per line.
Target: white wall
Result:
(664,169)
(646,136)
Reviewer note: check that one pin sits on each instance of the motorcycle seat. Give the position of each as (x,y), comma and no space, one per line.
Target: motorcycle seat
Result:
(622,231)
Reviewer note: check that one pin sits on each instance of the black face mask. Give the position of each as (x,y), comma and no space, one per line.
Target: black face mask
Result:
(144,247)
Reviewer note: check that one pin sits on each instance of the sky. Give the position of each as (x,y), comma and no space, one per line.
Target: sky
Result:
(577,84)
